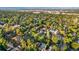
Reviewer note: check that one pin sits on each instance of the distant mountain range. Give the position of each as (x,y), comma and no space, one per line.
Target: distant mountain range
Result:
(38,8)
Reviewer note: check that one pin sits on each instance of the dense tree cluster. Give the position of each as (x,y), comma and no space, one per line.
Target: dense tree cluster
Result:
(21,31)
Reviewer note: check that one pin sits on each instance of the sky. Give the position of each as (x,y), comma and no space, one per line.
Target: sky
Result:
(39,3)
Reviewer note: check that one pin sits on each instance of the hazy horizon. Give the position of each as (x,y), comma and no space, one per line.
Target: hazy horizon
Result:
(26,8)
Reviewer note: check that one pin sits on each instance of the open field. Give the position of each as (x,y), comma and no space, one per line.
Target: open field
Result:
(39,31)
